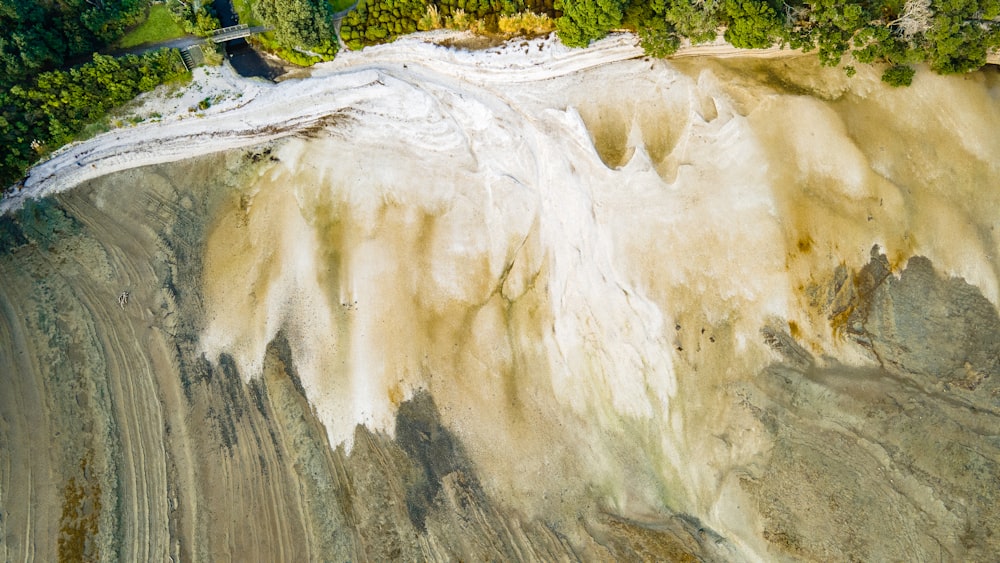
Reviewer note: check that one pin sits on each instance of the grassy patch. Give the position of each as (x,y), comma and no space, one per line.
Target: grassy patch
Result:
(339,5)
(94,129)
(244,11)
(159,26)
(267,42)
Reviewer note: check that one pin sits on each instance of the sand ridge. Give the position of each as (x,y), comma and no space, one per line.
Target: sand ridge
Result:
(255,112)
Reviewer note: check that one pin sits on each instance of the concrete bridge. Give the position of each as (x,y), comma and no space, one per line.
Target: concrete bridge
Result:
(235,32)
(191,49)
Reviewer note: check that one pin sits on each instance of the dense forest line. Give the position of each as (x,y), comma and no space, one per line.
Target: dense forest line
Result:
(39,36)
(44,103)
(56,106)
(952,36)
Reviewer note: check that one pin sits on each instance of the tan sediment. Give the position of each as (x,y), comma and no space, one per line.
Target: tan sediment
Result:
(454,315)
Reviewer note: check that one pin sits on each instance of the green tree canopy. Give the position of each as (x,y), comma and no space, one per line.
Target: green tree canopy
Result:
(584,21)
(298,23)
(753,24)
(41,35)
(961,33)
(828,25)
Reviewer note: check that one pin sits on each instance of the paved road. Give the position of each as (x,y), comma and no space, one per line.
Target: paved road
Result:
(179,43)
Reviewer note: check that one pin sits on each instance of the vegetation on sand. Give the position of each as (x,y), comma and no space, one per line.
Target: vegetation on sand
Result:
(381,21)
(52,109)
(953,36)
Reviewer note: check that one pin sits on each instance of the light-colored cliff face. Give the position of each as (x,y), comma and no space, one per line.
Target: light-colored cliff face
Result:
(717,309)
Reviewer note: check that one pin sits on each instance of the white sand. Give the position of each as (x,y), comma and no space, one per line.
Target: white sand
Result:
(459,232)
(246,111)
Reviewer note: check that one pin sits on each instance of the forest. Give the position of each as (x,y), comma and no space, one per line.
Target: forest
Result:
(56,105)
(52,82)
(951,36)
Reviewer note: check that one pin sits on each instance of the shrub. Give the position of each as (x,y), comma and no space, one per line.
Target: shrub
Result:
(583,21)
(526,23)
(898,75)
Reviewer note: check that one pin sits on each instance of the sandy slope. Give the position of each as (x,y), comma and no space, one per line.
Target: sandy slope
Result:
(515,305)
(246,111)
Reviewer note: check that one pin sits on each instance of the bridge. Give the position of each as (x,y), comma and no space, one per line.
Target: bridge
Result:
(235,32)
(191,51)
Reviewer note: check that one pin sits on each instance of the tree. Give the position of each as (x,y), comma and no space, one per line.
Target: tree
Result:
(898,75)
(829,25)
(584,21)
(698,20)
(300,24)
(658,41)
(752,24)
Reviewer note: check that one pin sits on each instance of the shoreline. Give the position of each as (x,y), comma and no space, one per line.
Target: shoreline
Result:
(245,112)
(251,112)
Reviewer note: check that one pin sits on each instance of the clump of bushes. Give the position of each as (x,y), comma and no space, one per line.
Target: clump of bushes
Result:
(898,75)
(381,21)
(55,107)
(197,18)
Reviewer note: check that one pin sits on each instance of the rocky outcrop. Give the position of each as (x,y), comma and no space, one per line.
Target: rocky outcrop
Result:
(941,330)
(888,462)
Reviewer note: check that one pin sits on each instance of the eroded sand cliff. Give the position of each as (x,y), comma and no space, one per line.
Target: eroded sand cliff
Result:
(711,309)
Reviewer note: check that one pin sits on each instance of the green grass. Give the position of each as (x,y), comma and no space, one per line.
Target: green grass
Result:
(244,11)
(339,5)
(159,26)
